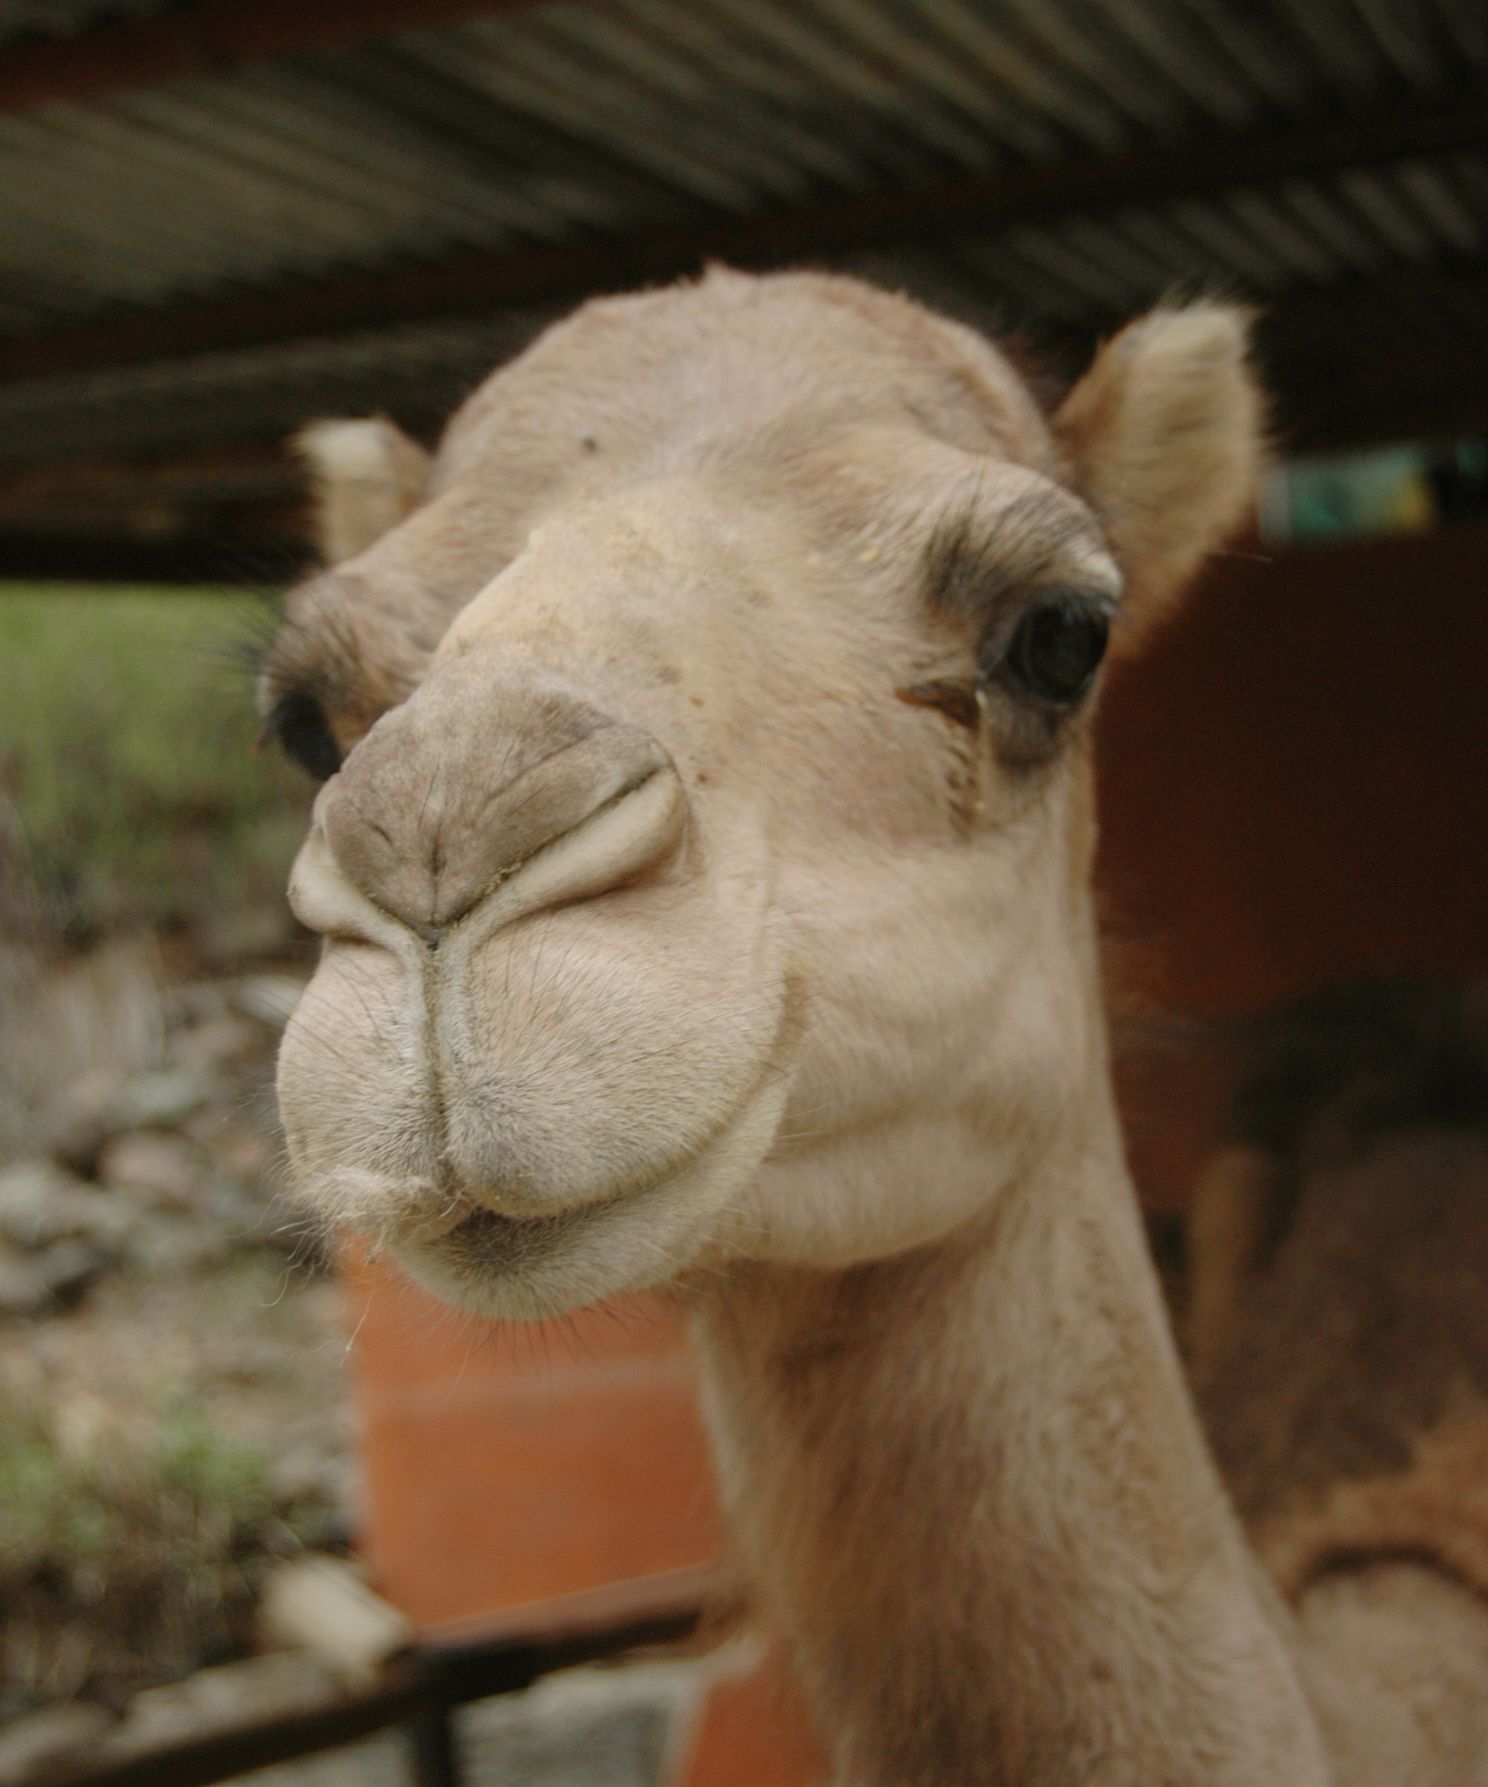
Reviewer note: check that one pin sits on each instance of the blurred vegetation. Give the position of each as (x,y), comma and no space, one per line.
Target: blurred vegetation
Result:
(125,1563)
(134,1526)
(126,732)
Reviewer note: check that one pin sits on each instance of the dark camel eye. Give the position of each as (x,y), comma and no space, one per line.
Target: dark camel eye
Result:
(1057,648)
(299,723)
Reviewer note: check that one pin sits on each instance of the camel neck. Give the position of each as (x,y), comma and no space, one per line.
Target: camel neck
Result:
(971,1491)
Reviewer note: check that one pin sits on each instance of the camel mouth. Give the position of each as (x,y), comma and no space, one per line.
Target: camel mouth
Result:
(539,1119)
(532,1267)
(529,1268)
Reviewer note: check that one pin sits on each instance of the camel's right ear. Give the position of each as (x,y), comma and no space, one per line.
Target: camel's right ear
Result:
(1165,432)
(365,476)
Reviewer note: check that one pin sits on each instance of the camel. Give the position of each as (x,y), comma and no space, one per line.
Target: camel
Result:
(703,866)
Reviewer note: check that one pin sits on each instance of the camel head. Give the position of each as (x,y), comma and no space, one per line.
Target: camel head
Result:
(703,849)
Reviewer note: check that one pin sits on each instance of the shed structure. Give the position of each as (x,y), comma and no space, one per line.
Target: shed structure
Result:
(221,216)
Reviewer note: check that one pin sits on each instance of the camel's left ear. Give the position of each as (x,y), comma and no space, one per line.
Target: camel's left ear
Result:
(1165,432)
(366,476)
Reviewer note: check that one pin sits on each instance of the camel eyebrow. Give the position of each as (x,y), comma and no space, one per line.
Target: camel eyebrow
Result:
(974,560)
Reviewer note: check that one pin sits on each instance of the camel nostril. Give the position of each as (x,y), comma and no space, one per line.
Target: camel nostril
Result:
(632,834)
(428,845)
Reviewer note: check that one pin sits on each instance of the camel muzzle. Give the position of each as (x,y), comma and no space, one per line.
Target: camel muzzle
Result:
(499,802)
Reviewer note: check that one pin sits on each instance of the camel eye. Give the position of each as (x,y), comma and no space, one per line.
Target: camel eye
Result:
(1057,648)
(299,723)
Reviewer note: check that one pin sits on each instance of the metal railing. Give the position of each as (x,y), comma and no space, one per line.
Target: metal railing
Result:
(443,1668)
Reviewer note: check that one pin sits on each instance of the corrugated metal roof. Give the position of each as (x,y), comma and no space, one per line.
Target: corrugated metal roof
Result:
(595,121)
(572,118)
(61,18)
(420,372)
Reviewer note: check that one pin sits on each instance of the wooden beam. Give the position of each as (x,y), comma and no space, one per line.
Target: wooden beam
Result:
(210,38)
(441,1671)
(475,282)
(230,558)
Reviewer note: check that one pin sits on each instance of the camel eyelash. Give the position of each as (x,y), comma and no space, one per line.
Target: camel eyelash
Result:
(972,565)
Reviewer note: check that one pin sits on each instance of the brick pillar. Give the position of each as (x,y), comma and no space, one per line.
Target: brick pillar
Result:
(508,1464)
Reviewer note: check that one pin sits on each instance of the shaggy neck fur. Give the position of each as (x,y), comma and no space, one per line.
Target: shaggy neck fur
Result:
(970,1483)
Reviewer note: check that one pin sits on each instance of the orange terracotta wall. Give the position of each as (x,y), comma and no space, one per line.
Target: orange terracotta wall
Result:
(507,1465)
(1295,777)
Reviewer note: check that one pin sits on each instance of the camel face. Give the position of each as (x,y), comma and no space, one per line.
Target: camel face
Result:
(709,820)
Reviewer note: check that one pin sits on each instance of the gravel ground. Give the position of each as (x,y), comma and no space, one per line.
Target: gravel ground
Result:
(173,1406)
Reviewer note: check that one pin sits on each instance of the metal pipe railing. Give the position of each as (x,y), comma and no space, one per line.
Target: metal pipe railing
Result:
(443,1668)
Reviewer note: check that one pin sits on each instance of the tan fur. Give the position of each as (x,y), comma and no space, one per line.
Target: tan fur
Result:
(1229,1220)
(1344,1347)
(1165,433)
(672,936)
(1395,1657)
(366,477)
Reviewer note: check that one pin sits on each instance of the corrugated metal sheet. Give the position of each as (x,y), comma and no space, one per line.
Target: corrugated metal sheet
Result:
(573,118)
(577,122)
(418,372)
(62,18)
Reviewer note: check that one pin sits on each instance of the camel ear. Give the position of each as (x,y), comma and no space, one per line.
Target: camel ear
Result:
(366,477)
(1165,432)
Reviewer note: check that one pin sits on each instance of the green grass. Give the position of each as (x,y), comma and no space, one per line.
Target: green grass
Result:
(125,1563)
(126,731)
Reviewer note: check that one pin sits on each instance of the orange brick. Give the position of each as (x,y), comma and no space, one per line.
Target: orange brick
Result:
(505,1466)
(752,1732)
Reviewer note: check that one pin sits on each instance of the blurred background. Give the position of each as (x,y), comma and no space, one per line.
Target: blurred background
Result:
(234,1480)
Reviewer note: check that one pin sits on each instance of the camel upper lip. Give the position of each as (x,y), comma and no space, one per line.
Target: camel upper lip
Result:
(487,1201)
